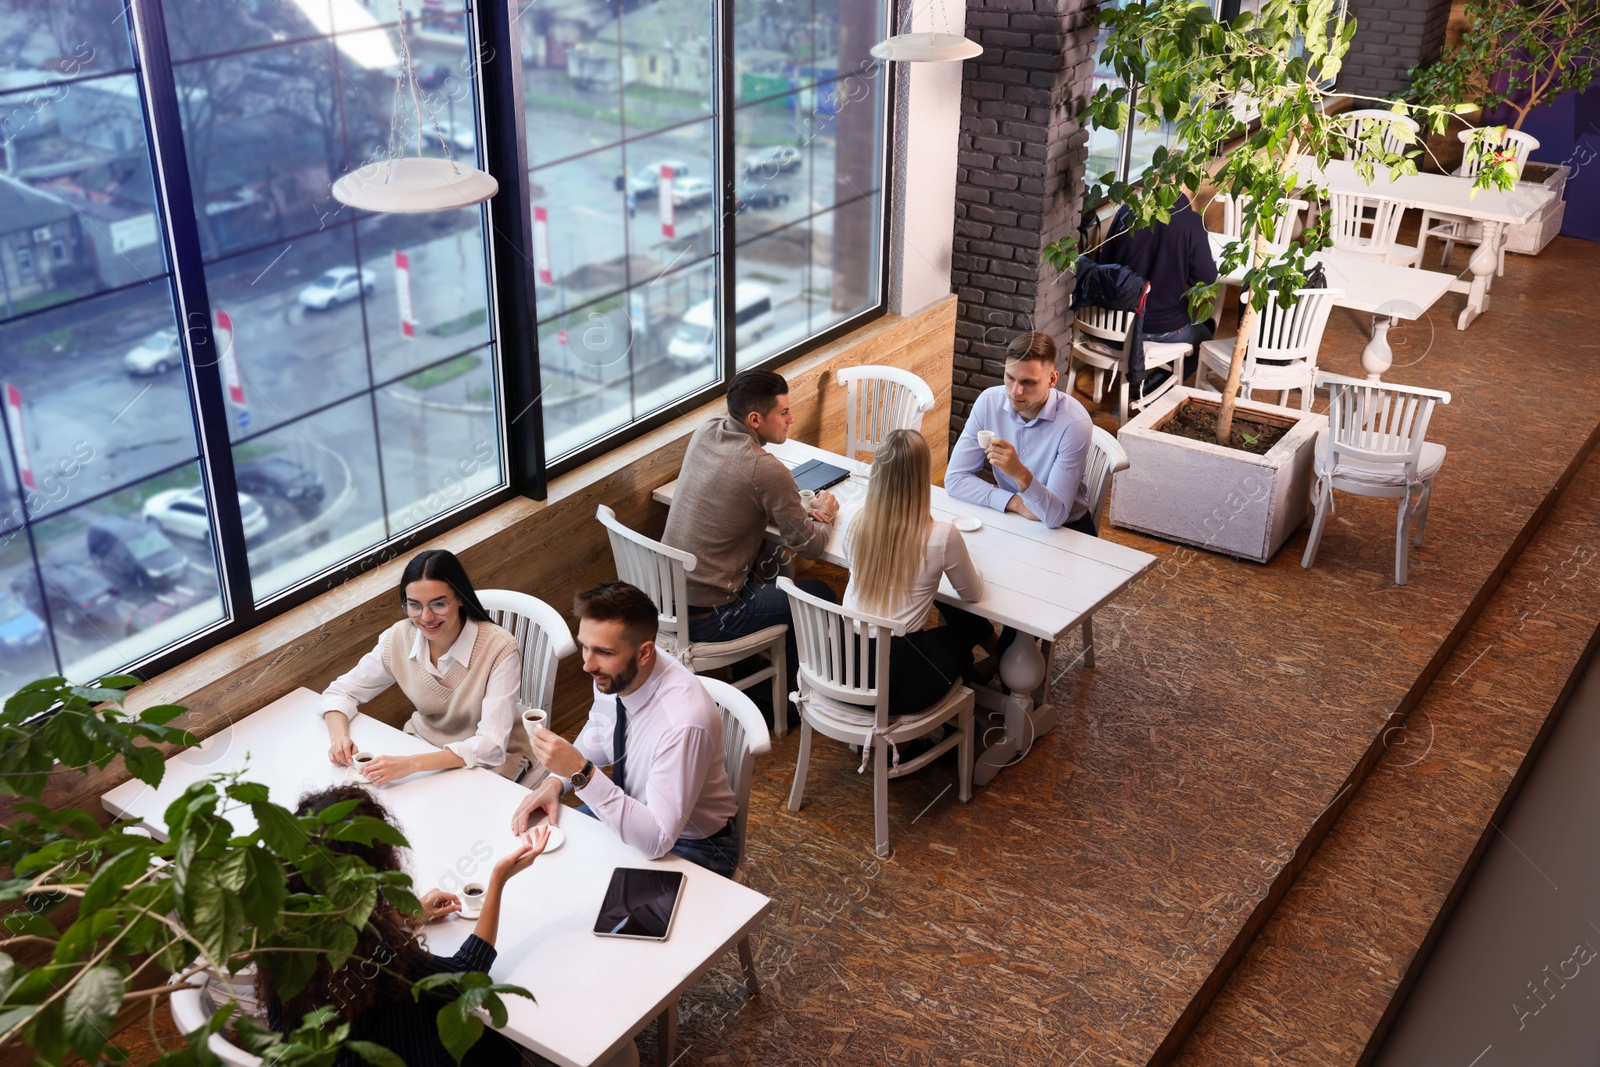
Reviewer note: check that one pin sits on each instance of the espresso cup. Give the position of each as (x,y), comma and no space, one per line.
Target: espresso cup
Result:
(358,762)
(533,718)
(985,439)
(807,498)
(472,898)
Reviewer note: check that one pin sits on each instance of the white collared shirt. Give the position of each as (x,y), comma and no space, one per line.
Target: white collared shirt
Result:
(369,677)
(677,768)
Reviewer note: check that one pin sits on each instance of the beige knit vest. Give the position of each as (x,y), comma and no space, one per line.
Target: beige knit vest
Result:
(449,708)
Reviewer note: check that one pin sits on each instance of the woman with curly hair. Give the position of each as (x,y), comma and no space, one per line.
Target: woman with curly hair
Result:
(372,991)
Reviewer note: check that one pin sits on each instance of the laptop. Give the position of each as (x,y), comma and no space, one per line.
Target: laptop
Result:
(816,475)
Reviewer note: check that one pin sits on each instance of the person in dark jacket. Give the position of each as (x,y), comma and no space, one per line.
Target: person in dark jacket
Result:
(1172,257)
(372,991)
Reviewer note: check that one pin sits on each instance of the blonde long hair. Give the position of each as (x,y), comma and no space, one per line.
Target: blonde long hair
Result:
(889,535)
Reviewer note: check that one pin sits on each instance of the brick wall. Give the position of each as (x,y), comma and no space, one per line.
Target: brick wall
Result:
(1392,36)
(1019,179)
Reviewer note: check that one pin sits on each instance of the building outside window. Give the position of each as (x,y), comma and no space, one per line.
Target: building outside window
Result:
(705,195)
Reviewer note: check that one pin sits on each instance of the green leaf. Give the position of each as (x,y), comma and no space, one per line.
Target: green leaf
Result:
(91,1007)
(279,830)
(364,829)
(112,878)
(161,714)
(8,969)
(375,1054)
(248,792)
(337,812)
(265,889)
(459,1028)
(26,922)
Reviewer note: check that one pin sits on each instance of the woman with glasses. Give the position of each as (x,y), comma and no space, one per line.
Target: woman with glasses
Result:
(461,673)
(898,554)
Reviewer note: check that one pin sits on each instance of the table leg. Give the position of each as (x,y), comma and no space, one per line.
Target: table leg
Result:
(667,1034)
(1482,265)
(1377,357)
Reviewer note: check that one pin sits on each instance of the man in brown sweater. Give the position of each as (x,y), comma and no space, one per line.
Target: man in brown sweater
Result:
(729,491)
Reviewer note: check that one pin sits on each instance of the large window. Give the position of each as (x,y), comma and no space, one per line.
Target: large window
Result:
(222,391)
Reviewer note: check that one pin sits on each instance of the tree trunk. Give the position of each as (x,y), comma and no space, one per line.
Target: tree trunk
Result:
(1241,344)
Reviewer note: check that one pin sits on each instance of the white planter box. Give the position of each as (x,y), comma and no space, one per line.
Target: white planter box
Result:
(1531,237)
(1216,498)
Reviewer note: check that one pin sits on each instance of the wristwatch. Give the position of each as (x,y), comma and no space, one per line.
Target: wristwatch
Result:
(581,778)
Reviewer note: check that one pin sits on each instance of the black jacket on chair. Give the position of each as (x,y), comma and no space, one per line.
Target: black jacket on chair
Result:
(1116,288)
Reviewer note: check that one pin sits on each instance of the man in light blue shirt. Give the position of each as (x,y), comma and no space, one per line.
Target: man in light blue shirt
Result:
(1040,446)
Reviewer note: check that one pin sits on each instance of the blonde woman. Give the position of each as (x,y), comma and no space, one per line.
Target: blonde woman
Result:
(898,554)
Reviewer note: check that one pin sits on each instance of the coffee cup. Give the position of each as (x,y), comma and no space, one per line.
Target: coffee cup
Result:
(472,898)
(534,718)
(807,498)
(985,439)
(358,762)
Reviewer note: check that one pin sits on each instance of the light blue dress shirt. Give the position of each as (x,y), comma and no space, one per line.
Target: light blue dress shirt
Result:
(1054,446)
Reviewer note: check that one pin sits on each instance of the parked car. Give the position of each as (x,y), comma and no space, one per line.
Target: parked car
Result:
(19,627)
(156,354)
(337,286)
(771,161)
(281,478)
(759,199)
(692,192)
(161,607)
(76,594)
(695,341)
(135,553)
(183,512)
(645,183)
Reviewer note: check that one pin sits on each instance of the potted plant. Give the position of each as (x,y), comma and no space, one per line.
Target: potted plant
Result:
(98,918)
(1256,86)
(1514,56)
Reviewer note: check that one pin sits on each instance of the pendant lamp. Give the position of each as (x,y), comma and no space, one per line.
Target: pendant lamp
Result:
(413,184)
(929,47)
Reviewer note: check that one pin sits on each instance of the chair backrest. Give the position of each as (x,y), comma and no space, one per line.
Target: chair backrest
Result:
(1106,458)
(1283,225)
(542,636)
(1365,222)
(1518,144)
(1102,323)
(190,1009)
(658,570)
(878,400)
(1399,131)
(1378,423)
(744,737)
(844,655)
(1293,332)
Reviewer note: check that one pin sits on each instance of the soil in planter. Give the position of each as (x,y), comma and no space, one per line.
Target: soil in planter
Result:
(1198,422)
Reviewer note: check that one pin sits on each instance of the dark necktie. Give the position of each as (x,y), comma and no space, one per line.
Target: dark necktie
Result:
(619,749)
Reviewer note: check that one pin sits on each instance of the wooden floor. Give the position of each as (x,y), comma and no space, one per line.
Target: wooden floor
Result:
(1083,903)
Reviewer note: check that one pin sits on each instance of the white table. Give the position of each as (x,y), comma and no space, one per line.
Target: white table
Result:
(1041,581)
(1384,290)
(1451,195)
(458,823)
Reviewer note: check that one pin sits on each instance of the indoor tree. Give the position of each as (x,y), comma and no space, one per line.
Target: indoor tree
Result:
(1258,84)
(1517,54)
(99,918)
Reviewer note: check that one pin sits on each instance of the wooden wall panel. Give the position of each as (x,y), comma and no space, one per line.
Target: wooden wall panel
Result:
(550,548)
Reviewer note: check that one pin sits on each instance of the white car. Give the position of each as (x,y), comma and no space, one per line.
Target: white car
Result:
(772,161)
(183,512)
(692,192)
(337,286)
(156,354)
(646,181)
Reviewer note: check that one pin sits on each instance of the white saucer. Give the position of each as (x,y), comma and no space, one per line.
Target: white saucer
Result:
(558,837)
(967,524)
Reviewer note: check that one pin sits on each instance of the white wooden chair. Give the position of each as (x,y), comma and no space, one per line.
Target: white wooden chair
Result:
(1282,353)
(542,636)
(662,573)
(744,737)
(1369,225)
(1100,341)
(1458,229)
(1399,131)
(1284,225)
(844,694)
(1376,444)
(878,400)
(1106,458)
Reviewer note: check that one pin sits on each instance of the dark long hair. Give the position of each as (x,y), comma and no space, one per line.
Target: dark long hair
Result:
(387,946)
(441,566)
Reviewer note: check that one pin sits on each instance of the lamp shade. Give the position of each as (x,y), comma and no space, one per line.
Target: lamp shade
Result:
(926,48)
(414,184)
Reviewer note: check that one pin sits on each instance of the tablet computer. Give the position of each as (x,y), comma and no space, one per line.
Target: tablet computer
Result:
(816,475)
(639,904)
